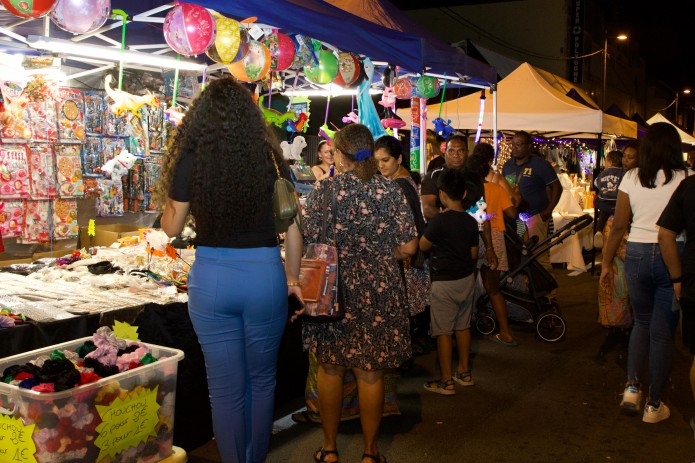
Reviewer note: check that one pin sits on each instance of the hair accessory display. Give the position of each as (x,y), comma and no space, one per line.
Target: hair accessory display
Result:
(362,154)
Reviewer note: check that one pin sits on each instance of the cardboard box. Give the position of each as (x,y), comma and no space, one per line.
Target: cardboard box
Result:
(125,417)
(106,235)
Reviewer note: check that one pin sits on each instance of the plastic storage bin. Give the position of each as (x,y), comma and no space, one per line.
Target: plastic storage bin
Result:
(127,417)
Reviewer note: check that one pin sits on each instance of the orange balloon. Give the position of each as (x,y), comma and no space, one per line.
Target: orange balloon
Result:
(255,64)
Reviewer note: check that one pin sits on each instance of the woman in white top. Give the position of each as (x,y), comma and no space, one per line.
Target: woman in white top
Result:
(643,195)
(325,154)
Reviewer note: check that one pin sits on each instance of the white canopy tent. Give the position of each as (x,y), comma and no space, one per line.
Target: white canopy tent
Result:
(536,101)
(685,138)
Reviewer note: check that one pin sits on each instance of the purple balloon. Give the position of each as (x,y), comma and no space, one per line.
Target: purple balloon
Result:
(81,16)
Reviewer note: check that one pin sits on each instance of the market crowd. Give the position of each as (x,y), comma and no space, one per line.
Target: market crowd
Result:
(409,254)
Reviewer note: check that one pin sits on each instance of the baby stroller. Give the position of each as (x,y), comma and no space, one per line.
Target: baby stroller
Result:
(528,284)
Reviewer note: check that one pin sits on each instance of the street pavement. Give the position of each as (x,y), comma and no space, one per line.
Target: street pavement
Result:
(537,403)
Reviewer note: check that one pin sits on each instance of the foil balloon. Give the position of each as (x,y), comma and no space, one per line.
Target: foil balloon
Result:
(254,66)
(325,71)
(227,39)
(189,29)
(403,88)
(348,69)
(282,50)
(244,40)
(304,52)
(427,86)
(80,16)
(29,9)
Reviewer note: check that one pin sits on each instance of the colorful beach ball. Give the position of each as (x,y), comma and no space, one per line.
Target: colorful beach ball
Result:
(227,39)
(244,40)
(348,69)
(427,87)
(403,88)
(81,16)
(325,71)
(255,64)
(281,49)
(29,8)
(189,29)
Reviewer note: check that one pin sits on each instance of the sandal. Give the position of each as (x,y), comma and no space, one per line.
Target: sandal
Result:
(303,417)
(440,387)
(460,377)
(321,454)
(378,458)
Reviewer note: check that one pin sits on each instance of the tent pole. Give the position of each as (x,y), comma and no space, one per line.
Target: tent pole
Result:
(423,136)
(493,90)
(596,170)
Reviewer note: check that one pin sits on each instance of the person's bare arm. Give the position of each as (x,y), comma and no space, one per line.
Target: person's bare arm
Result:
(621,220)
(174,217)
(425,244)
(669,252)
(429,206)
(406,250)
(554,191)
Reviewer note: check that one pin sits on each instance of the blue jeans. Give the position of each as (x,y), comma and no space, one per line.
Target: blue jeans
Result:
(237,301)
(652,300)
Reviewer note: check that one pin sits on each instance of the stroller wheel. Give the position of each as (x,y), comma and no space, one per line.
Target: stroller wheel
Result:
(485,323)
(550,327)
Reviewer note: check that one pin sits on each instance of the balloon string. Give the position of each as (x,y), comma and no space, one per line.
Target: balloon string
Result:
(176,82)
(352,109)
(328,105)
(205,78)
(441,101)
(294,85)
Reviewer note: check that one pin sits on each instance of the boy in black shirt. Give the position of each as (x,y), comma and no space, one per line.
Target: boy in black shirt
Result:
(452,236)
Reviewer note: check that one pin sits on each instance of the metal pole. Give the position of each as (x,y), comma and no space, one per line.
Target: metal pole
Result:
(675,120)
(605,59)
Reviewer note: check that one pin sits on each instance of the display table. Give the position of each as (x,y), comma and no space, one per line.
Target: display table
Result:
(569,252)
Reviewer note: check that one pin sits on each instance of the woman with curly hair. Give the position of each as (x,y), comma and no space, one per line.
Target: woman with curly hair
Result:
(224,173)
(374,228)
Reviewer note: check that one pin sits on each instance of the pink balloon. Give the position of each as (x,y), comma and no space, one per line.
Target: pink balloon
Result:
(189,29)
(81,16)
(281,51)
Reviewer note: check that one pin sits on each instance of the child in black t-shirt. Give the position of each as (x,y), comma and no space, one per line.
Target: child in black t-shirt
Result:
(452,237)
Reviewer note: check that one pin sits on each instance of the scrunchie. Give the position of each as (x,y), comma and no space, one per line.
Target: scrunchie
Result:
(362,154)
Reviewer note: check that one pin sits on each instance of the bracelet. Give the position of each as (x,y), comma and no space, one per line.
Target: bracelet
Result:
(677,279)
(294,283)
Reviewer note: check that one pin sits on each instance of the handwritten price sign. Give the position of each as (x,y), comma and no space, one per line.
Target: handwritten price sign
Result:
(127,422)
(16,444)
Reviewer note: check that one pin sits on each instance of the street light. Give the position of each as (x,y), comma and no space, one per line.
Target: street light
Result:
(685,91)
(605,59)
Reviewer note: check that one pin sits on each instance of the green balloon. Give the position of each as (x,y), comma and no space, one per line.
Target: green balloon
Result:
(427,87)
(325,71)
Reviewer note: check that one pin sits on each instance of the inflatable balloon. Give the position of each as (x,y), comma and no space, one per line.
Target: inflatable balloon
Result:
(189,29)
(254,66)
(427,87)
(282,50)
(227,39)
(304,52)
(325,71)
(403,88)
(29,9)
(348,69)
(244,40)
(80,16)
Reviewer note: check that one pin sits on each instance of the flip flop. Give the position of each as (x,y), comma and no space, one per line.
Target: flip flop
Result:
(496,338)
(303,417)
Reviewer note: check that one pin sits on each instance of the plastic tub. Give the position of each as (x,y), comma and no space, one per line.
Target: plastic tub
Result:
(127,417)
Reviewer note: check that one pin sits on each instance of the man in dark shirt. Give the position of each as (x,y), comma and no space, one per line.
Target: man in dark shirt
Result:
(679,215)
(538,185)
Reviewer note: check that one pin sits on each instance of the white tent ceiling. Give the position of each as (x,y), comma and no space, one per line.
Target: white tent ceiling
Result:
(685,138)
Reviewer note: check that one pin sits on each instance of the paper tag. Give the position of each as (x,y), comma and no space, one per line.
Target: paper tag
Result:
(16,443)
(125,331)
(256,32)
(127,422)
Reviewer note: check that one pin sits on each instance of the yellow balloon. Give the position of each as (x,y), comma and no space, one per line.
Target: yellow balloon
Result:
(227,41)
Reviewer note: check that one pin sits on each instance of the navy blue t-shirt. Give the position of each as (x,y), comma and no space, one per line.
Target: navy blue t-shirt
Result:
(534,176)
(452,234)
(607,183)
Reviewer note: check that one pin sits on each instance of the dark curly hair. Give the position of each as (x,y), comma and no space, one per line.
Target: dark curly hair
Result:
(349,141)
(233,171)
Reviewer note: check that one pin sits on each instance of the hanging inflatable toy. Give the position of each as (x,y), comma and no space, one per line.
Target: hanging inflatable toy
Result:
(29,9)
(366,110)
(389,76)
(325,71)
(254,66)
(281,49)
(304,53)
(79,16)
(348,69)
(189,29)
(403,88)
(427,87)
(227,40)
(442,127)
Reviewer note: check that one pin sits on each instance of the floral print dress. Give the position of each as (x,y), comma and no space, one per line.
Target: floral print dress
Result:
(373,218)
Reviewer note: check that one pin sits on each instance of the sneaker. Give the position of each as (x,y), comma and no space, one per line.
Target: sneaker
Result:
(441,387)
(655,412)
(598,240)
(632,400)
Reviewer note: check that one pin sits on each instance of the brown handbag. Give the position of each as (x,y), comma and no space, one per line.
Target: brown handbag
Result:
(312,276)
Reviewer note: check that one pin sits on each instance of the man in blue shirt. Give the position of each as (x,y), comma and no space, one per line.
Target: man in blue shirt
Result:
(535,179)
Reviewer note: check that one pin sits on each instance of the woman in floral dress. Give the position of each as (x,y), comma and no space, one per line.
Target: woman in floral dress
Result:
(374,228)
